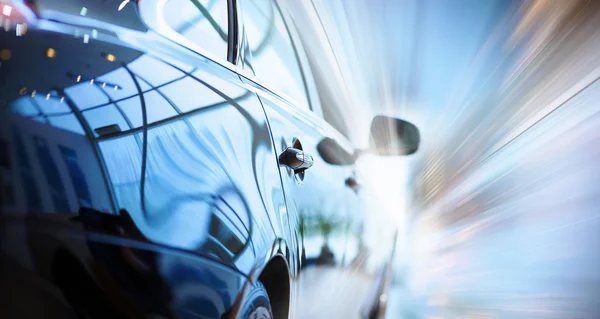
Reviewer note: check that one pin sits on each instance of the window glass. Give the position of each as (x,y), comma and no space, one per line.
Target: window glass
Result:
(203,22)
(313,93)
(273,56)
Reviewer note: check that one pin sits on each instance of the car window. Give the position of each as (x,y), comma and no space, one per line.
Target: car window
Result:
(311,87)
(273,57)
(204,22)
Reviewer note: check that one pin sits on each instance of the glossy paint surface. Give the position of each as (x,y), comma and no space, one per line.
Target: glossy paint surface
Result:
(182,149)
(140,171)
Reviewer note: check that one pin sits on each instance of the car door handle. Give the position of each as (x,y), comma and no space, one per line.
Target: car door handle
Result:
(296,159)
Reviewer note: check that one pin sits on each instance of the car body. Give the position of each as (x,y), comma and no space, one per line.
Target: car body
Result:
(140,166)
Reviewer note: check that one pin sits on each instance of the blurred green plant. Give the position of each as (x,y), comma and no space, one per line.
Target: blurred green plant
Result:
(320,223)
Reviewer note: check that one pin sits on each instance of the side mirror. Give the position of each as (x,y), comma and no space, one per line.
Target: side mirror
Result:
(393,136)
(389,136)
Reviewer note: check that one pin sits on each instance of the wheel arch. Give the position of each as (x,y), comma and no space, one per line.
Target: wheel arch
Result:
(276,279)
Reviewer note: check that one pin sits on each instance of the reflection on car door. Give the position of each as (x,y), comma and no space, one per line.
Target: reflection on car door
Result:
(318,196)
(183,147)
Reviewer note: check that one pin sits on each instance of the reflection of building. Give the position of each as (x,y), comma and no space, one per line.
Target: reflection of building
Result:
(112,120)
(64,158)
(108,109)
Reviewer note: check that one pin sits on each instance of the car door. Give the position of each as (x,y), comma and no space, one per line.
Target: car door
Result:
(316,198)
(216,144)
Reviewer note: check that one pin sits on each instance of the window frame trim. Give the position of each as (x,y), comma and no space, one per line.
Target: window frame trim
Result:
(233,23)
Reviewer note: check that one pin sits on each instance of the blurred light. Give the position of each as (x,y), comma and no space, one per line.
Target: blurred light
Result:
(104,84)
(122,5)
(23,91)
(94,33)
(383,298)
(21,29)
(116,87)
(7,10)
(110,57)
(51,53)
(78,78)
(5,55)
(47,96)
(62,99)
(83,11)
(86,38)
(33,93)
(91,81)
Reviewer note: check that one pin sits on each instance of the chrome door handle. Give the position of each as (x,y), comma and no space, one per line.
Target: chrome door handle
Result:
(296,159)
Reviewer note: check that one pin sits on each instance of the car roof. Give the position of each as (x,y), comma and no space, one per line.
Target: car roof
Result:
(116,12)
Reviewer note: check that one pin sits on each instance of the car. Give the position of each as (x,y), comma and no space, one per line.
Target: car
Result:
(166,159)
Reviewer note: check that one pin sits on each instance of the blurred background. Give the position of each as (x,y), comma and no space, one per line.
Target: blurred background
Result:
(498,211)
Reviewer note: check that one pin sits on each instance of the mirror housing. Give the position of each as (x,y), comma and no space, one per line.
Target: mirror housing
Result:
(389,136)
(393,136)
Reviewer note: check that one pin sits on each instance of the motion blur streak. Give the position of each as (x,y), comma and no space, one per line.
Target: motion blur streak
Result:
(502,220)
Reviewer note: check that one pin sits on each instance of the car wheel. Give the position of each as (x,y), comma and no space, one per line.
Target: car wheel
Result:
(258,305)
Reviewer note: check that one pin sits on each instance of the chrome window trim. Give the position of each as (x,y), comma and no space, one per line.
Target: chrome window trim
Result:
(233,32)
